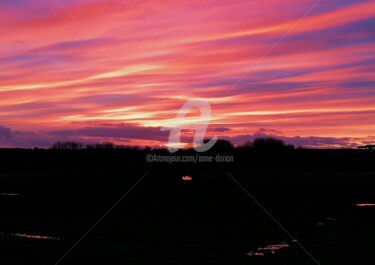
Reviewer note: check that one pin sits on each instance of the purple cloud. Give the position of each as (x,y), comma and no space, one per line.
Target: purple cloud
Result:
(126,133)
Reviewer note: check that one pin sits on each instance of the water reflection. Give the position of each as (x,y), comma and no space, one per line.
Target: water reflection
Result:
(187,178)
(21,235)
(366,204)
(328,219)
(269,249)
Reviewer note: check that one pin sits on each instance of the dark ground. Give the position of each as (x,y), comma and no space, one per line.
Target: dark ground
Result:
(209,220)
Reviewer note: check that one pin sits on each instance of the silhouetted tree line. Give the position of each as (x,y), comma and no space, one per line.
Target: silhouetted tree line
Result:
(68,146)
(77,145)
(259,154)
(268,144)
(105,145)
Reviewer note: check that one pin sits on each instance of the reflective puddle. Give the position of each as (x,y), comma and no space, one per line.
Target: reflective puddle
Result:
(9,194)
(21,235)
(187,178)
(366,204)
(267,250)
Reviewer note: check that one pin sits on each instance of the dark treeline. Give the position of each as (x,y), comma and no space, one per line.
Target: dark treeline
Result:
(264,144)
(260,154)
(77,145)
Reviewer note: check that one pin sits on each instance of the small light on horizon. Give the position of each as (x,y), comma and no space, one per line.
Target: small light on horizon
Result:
(187,178)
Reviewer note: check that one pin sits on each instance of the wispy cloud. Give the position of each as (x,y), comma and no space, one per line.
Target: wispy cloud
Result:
(136,62)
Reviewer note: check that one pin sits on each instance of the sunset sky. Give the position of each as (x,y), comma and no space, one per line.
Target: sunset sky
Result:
(103,70)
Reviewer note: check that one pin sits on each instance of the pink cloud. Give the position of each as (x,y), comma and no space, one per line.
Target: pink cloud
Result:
(136,62)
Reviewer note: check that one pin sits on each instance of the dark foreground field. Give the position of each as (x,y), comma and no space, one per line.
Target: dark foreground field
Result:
(305,207)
